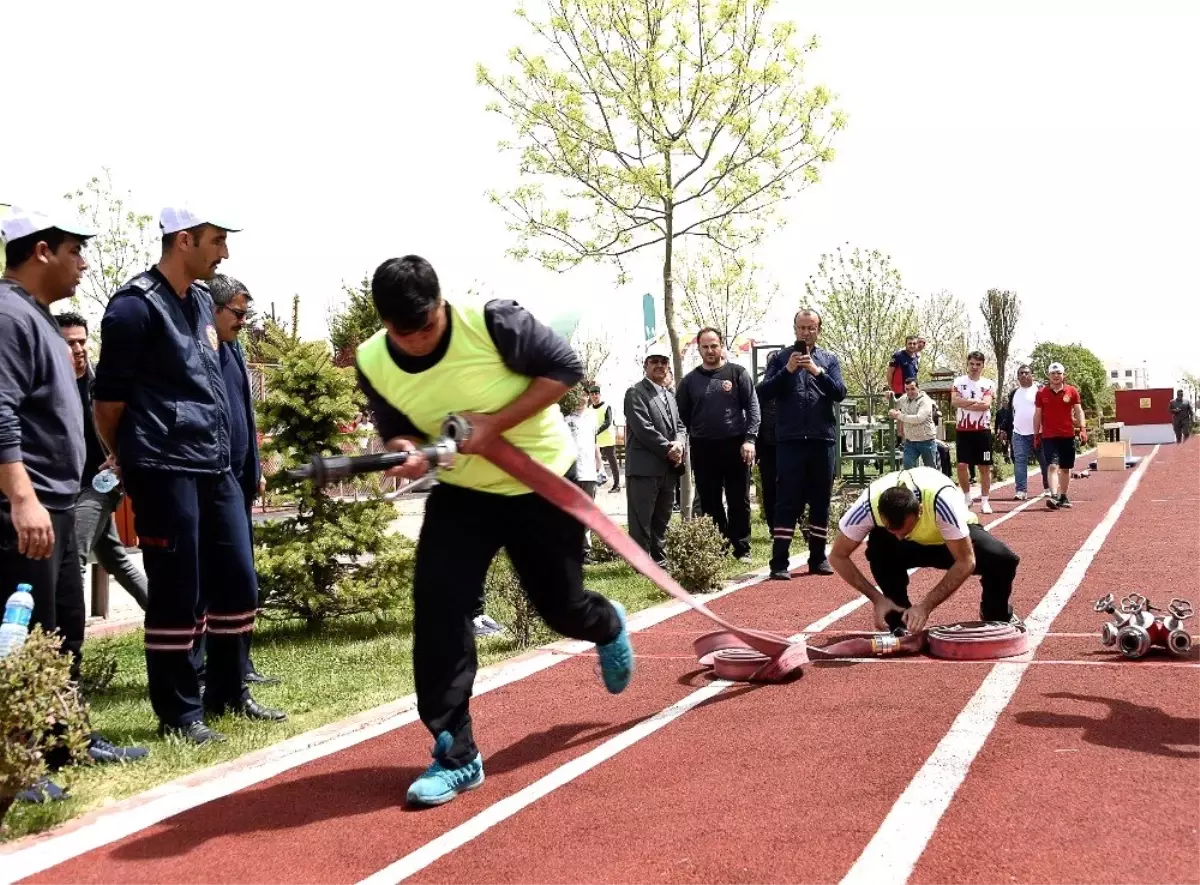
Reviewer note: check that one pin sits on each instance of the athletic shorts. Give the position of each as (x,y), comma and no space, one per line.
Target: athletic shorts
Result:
(1059,450)
(974,447)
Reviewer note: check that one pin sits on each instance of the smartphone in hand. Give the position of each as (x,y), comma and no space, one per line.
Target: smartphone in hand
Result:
(802,347)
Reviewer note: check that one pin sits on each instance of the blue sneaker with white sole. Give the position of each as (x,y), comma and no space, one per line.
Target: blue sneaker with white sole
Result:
(616,657)
(439,784)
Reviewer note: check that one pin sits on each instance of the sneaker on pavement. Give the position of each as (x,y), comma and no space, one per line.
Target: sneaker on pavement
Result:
(440,783)
(820,568)
(1020,496)
(1052,502)
(616,657)
(986,506)
(781,575)
(1063,502)
(102,750)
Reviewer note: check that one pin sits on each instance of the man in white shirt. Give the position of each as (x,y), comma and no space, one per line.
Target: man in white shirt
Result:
(582,424)
(972,397)
(917,519)
(1021,405)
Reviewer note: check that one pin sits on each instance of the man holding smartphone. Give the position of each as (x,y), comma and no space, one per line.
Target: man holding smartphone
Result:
(806,383)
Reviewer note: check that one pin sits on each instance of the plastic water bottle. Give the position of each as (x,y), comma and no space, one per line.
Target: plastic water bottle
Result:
(105,481)
(15,629)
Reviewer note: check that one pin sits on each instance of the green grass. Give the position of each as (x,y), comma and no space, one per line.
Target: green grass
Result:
(349,666)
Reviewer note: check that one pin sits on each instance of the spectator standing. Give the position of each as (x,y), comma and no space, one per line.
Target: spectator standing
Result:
(914,412)
(719,410)
(905,363)
(653,455)
(95,527)
(1181,417)
(1057,413)
(161,409)
(764,451)
(606,435)
(972,396)
(231,302)
(42,448)
(582,424)
(806,382)
(1016,428)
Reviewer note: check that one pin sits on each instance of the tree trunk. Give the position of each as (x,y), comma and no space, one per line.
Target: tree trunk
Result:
(685,491)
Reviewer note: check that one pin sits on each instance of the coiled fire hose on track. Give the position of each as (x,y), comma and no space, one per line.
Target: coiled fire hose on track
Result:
(734,653)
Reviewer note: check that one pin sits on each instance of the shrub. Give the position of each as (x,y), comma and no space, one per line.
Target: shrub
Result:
(601,552)
(507,603)
(333,558)
(695,553)
(40,711)
(97,670)
(571,399)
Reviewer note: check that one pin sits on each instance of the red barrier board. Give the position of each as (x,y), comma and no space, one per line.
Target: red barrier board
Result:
(1147,406)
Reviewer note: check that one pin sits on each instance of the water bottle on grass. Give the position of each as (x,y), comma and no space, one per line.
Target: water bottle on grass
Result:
(17,613)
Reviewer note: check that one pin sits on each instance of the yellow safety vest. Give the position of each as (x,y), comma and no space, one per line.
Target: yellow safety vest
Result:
(607,437)
(926,482)
(471,377)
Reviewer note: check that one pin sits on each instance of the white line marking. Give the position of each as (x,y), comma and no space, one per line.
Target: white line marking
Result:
(896,847)
(36,853)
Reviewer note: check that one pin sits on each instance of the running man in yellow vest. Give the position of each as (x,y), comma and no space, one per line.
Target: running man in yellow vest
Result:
(504,371)
(918,518)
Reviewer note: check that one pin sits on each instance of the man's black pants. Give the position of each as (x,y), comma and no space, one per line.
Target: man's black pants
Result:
(649,500)
(200,570)
(765,454)
(57,583)
(722,476)
(609,453)
(995,563)
(463,531)
(804,479)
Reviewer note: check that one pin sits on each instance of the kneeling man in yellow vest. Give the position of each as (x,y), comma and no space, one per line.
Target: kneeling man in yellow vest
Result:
(917,518)
(500,368)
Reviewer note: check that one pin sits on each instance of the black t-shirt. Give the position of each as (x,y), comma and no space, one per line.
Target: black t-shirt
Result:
(94,455)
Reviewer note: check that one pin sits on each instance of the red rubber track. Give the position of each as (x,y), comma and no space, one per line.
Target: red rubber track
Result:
(1093,774)
(765,783)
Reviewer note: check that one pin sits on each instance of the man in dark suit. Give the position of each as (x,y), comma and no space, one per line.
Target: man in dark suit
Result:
(653,454)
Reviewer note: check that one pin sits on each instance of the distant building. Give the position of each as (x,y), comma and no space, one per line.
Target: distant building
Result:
(1127,377)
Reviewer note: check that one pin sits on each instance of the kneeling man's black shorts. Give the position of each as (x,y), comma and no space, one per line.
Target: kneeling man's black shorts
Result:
(974,447)
(1059,450)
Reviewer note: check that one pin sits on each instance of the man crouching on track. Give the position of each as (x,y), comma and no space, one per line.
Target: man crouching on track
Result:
(918,519)
(505,372)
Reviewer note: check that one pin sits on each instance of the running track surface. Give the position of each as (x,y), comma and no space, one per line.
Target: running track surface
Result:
(1076,766)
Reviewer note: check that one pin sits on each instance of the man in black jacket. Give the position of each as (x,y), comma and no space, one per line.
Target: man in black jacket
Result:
(764,449)
(719,409)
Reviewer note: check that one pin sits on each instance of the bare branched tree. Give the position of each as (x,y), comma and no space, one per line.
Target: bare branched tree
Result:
(723,291)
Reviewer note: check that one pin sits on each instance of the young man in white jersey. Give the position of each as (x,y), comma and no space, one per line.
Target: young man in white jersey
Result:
(1019,429)
(972,398)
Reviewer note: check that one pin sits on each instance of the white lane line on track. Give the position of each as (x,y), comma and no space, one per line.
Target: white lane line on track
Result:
(896,847)
(460,835)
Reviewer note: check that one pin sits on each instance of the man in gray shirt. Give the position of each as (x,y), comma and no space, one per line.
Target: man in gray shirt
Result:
(719,408)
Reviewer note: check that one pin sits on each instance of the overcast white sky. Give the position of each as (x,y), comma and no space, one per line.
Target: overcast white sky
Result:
(1050,154)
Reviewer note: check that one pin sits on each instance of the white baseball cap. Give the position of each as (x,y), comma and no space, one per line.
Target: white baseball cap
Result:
(657,350)
(176,218)
(19,223)
(1056,367)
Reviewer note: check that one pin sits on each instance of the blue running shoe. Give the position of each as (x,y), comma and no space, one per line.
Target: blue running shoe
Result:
(616,658)
(439,784)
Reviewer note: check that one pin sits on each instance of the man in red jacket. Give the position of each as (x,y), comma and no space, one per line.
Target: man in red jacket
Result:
(1057,412)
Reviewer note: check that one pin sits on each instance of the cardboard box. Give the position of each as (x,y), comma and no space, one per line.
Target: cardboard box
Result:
(1113,449)
(1110,462)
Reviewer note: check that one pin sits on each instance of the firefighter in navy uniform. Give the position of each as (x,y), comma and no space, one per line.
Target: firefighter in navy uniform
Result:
(160,407)
(505,372)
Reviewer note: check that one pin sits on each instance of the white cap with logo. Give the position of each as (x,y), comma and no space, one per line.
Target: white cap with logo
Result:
(1056,367)
(18,223)
(176,218)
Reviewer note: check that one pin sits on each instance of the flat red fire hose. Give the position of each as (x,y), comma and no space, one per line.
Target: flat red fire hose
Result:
(736,653)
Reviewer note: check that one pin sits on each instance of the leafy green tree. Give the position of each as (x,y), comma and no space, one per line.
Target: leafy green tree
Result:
(1001,312)
(1084,370)
(865,314)
(723,291)
(657,121)
(123,244)
(942,319)
(333,558)
(353,322)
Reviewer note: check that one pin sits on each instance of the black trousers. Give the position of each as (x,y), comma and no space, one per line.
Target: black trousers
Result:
(462,532)
(890,559)
(609,454)
(650,500)
(804,479)
(57,582)
(1183,430)
(765,455)
(200,570)
(723,479)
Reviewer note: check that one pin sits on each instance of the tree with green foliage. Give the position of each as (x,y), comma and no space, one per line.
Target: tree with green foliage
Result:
(1001,312)
(942,319)
(655,122)
(724,291)
(333,558)
(1084,370)
(123,245)
(865,314)
(353,322)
